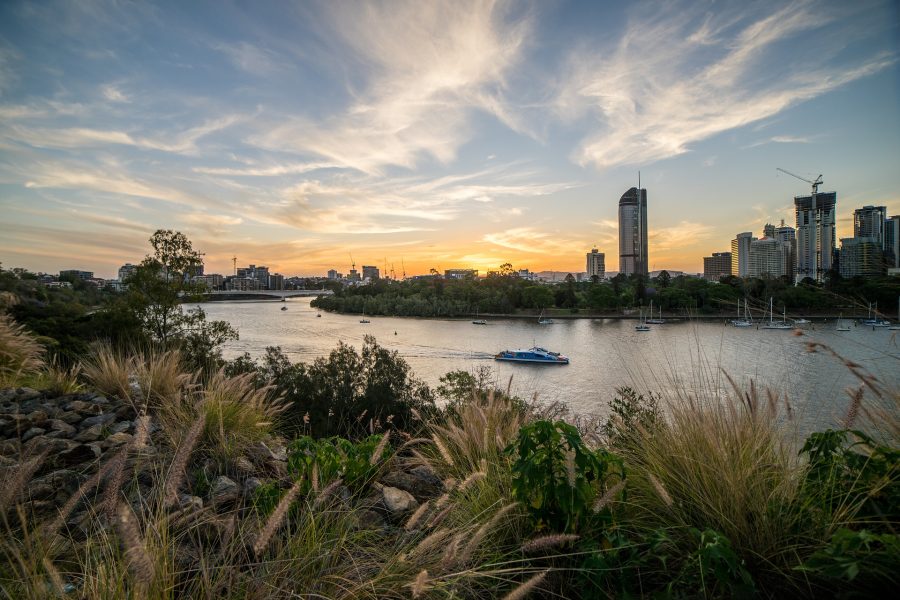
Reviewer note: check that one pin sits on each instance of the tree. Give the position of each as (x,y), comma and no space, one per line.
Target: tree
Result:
(506,270)
(664,279)
(156,290)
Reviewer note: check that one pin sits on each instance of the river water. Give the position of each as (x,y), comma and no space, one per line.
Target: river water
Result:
(605,354)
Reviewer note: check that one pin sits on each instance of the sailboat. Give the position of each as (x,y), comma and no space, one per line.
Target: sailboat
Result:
(543,321)
(477,321)
(841,326)
(772,324)
(642,324)
(746,321)
(897,326)
(364,319)
(653,321)
(875,321)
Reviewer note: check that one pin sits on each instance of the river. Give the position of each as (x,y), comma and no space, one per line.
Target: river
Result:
(605,354)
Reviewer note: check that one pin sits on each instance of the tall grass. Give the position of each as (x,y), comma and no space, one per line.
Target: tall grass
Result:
(20,352)
(109,371)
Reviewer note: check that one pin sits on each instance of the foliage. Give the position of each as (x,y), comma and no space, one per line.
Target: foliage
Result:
(504,292)
(861,561)
(557,477)
(156,290)
(348,393)
(858,480)
(713,568)
(322,461)
(630,411)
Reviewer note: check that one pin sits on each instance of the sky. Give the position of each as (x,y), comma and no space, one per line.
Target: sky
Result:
(306,135)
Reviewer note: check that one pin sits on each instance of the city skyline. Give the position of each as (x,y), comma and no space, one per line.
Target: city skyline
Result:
(437,135)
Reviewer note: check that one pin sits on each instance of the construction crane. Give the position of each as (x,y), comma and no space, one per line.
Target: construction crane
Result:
(234,263)
(352,262)
(815,184)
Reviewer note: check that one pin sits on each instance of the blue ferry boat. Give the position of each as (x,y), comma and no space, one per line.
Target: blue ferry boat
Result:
(533,355)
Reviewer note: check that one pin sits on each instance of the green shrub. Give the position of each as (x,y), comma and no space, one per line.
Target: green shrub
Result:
(867,561)
(557,477)
(856,481)
(323,461)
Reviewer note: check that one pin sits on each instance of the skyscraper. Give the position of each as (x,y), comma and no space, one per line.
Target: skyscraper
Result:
(633,232)
(869,221)
(740,254)
(861,257)
(815,235)
(788,235)
(892,241)
(596,264)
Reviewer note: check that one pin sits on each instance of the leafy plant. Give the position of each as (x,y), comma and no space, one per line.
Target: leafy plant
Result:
(629,411)
(859,479)
(322,461)
(854,553)
(714,568)
(556,476)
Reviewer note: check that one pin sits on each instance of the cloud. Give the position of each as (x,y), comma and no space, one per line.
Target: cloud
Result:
(181,142)
(532,241)
(670,83)
(114,94)
(429,65)
(685,233)
(251,58)
(784,139)
(267,171)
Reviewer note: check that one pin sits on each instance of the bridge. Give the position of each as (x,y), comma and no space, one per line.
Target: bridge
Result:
(264,294)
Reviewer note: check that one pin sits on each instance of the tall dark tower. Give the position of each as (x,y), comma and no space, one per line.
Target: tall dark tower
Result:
(633,232)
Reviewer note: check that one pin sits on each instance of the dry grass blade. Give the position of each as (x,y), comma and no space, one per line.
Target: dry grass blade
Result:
(16,479)
(109,371)
(179,463)
(379,449)
(604,500)
(327,492)
(660,489)
(442,448)
(548,541)
(420,584)
(139,561)
(276,519)
(417,516)
(856,397)
(526,588)
(20,352)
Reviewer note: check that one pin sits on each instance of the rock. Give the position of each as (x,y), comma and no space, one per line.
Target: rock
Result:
(186,500)
(25,394)
(397,500)
(243,465)
(367,519)
(421,482)
(61,426)
(37,417)
(98,420)
(70,417)
(57,486)
(251,485)
(75,455)
(224,491)
(77,406)
(117,439)
(90,434)
(120,427)
(95,448)
(34,431)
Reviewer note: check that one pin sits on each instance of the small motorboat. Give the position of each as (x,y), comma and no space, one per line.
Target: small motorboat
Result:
(479,322)
(535,355)
(284,308)
(364,321)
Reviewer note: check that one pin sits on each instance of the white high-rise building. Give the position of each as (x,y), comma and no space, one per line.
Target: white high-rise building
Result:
(596,264)
(788,235)
(768,258)
(815,235)
(740,254)
(633,232)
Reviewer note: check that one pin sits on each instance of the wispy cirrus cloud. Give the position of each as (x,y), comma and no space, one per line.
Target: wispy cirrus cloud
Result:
(671,82)
(429,65)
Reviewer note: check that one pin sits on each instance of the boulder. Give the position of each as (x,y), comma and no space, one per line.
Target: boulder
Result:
(101,419)
(120,426)
(397,501)
(421,482)
(33,432)
(90,434)
(61,426)
(224,491)
(117,439)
